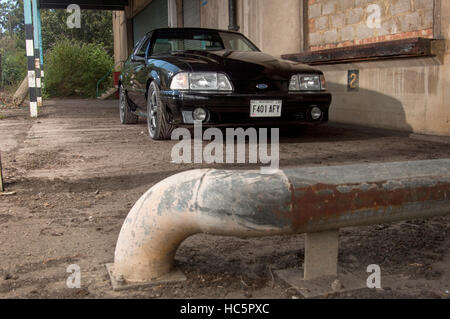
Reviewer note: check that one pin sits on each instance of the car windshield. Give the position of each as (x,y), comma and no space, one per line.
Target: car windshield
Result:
(204,40)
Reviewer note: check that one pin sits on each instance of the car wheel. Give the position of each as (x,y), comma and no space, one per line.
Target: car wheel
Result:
(126,116)
(157,118)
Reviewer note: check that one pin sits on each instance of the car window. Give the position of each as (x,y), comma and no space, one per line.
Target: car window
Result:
(199,40)
(236,43)
(142,50)
(167,45)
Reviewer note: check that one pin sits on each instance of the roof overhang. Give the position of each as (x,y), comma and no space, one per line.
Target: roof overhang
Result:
(85,4)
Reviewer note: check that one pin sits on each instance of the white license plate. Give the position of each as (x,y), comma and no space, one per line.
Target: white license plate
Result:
(265,108)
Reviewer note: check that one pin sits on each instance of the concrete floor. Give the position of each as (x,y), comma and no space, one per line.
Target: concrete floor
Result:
(76,173)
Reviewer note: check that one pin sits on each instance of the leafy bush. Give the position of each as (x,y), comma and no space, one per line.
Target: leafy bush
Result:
(14,67)
(73,69)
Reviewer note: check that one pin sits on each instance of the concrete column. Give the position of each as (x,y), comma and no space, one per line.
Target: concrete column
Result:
(321,254)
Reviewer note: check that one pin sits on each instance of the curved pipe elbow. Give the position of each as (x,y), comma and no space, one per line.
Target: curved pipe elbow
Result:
(200,201)
(250,204)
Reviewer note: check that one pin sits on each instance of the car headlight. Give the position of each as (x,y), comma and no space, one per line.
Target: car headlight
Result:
(201,81)
(307,82)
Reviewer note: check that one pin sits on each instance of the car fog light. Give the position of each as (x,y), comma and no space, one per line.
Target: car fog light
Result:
(316,113)
(200,114)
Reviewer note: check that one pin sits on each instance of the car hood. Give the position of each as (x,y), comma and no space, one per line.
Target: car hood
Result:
(238,65)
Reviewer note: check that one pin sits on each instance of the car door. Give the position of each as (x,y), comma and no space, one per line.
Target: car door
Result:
(127,71)
(137,77)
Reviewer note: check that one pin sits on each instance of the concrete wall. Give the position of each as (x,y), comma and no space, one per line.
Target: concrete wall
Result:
(274,25)
(214,14)
(406,94)
(336,23)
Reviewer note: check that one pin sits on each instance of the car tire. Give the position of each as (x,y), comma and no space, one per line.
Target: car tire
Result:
(126,115)
(158,124)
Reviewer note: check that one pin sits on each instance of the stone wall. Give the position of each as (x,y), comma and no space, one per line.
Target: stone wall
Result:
(338,23)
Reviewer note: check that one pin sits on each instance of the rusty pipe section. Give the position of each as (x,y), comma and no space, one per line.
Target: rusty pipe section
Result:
(249,204)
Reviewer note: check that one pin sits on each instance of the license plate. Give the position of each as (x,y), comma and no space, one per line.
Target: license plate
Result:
(265,108)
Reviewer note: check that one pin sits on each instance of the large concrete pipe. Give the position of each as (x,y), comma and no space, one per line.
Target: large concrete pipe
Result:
(248,204)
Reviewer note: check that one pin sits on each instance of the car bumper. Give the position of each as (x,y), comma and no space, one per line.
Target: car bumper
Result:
(229,109)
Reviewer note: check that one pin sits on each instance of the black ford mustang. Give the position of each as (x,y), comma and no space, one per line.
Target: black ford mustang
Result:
(178,76)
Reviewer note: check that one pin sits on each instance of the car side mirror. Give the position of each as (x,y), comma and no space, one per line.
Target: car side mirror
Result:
(137,58)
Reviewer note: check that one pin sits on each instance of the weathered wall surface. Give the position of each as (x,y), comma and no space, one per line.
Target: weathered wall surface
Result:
(407,94)
(273,25)
(397,94)
(336,23)
(215,14)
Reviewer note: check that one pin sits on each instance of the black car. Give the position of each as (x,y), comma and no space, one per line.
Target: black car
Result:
(178,76)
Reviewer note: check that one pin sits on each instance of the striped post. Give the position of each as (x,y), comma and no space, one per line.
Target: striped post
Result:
(30,57)
(37,53)
(39,25)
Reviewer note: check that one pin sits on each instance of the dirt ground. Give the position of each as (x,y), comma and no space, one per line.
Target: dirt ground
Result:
(77,172)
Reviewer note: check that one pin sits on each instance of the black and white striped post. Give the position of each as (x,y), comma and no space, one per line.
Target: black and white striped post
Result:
(29,37)
(39,26)
(37,53)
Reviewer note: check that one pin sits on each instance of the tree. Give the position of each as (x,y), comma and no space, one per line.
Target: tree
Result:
(96,28)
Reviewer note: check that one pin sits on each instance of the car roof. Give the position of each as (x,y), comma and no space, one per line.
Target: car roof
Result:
(193,29)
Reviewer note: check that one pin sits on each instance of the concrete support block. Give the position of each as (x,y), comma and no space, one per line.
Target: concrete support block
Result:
(320,272)
(119,284)
(321,254)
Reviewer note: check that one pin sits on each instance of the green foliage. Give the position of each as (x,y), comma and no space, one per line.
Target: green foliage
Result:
(14,67)
(12,22)
(96,27)
(75,59)
(73,69)
(12,43)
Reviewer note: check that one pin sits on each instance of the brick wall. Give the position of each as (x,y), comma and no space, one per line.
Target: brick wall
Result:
(338,23)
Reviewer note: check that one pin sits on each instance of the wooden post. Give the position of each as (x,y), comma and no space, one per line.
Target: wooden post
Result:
(1,176)
(1,78)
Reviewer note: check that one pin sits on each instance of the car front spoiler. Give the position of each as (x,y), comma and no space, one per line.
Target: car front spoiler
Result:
(231,108)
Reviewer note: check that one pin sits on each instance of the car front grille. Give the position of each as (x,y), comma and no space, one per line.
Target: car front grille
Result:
(244,118)
(250,87)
